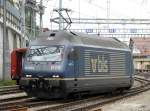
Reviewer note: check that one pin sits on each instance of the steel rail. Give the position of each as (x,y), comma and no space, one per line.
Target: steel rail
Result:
(8,87)
(10,92)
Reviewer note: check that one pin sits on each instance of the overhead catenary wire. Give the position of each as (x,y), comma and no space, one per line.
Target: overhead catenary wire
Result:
(81,14)
(116,14)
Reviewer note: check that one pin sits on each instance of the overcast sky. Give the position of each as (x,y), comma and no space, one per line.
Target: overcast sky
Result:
(98,9)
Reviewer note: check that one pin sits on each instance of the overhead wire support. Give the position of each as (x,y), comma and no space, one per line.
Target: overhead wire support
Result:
(108,11)
(60,15)
(41,11)
(36,8)
(22,13)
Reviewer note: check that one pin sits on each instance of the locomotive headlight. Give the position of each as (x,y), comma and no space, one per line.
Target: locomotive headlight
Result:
(28,75)
(55,76)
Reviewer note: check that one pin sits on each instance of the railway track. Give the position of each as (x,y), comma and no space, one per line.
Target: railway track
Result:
(10,90)
(12,86)
(74,105)
(27,102)
(92,103)
(9,87)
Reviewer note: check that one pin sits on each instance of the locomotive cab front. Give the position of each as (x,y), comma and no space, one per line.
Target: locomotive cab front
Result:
(44,61)
(43,69)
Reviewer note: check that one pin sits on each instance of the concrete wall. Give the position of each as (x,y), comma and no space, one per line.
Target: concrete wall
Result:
(18,40)
(13,35)
(13,41)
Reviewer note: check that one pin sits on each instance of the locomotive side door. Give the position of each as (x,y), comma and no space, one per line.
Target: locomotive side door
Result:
(73,67)
(73,56)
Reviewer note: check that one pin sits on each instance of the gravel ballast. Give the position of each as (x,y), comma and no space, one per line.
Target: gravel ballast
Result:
(140,102)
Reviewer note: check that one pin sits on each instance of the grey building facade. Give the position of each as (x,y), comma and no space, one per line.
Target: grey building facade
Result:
(13,34)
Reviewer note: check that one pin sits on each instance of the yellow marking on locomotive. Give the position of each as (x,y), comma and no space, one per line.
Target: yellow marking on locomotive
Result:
(99,64)
(93,64)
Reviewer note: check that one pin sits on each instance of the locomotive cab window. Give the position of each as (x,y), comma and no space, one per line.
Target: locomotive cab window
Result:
(45,53)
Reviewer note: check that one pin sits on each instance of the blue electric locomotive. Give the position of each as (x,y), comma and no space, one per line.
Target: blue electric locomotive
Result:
(60,63)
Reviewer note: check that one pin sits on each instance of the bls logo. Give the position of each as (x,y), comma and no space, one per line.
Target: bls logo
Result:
(99,64)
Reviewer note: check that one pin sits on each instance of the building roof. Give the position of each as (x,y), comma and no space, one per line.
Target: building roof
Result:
(140,46)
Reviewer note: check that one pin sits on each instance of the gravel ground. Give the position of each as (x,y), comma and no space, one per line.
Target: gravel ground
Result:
(136,84)
(139,102)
